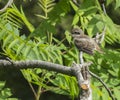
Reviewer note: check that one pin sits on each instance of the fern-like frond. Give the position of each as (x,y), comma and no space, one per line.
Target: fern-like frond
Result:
(46,6)
(10,18)
(19,16)
(20,47)
(16,17)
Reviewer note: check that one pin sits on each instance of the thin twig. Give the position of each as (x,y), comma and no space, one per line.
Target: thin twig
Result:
(108,90)
(6,6)
(103,6)
(38,93)
(103,33)
(32,89)
(76,2)
(100,37)
(103,36)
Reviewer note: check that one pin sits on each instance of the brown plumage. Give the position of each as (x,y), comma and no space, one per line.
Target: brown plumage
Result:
(83,42)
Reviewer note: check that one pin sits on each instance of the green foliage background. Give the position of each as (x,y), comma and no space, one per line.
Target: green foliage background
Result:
(46,37)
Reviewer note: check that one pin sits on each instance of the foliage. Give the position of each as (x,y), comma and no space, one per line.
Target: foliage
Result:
(5,93)
(41,44)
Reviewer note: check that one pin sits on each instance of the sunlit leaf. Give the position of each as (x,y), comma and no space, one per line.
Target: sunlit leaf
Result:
(68,36)
(117,4)
(27,51)
(13,43)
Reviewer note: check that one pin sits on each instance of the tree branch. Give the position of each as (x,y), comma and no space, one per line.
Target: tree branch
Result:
(40,64)
(86,91)
(6,6)
(72,71)
(81,57)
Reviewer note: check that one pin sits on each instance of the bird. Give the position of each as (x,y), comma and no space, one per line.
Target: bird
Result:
(84,42)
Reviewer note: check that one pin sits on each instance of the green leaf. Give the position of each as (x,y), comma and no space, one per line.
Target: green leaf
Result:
(13,43)
(68,36)
(2,84)
(75,19)
(38,71)
(7,40)
(108,2)
(105,95)
(59,10)
(117,4)
(100,26)
(27,75)
(73,5)
(20,48)
(113,73)
(43,55)
(43,28)
(116,93)
(27,51)
(6,93)
(2,34)
(36,51)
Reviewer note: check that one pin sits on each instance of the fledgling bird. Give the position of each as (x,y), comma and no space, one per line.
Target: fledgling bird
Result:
(84,43)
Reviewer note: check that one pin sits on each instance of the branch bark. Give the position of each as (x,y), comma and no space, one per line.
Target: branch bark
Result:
(6,6)
(86,91)
(40,64)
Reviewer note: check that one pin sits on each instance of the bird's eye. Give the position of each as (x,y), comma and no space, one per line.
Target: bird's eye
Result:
(76,33)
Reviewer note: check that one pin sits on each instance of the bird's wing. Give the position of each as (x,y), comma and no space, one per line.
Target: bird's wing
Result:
(85,45)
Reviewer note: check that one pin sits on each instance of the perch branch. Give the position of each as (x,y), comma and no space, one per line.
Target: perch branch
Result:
(86,91)
(81,57)
(6,6)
